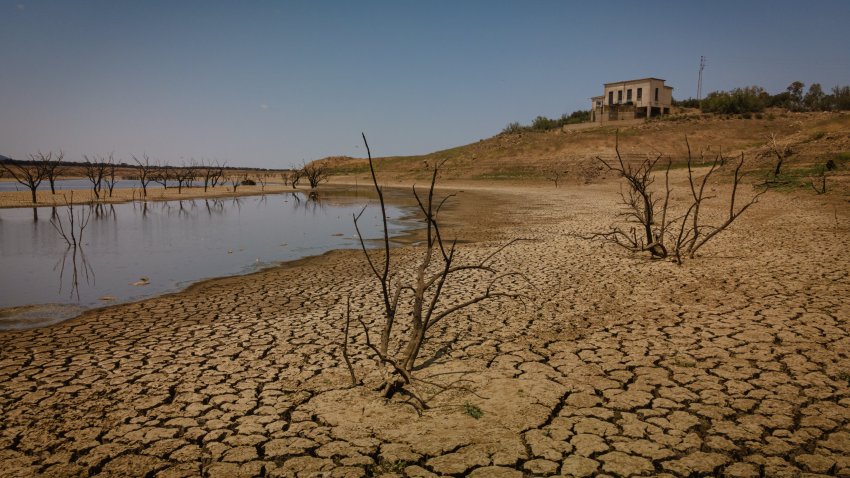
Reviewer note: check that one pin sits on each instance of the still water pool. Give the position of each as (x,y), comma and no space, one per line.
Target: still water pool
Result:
(134,250)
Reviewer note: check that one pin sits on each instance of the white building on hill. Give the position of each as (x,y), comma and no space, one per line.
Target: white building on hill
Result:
(632,99)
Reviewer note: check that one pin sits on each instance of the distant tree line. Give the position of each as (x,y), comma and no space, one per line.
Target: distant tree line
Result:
(754,99)
(542,123)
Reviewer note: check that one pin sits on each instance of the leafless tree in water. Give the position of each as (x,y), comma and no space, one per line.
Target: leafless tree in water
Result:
(146,172)
(95,168)
(185,175)
(315,173)
(71,229)
(52,168)
(109,177)
(162,175)
(295,178)
(212,174)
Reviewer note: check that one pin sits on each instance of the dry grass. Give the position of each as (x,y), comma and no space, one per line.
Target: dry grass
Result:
(520,157)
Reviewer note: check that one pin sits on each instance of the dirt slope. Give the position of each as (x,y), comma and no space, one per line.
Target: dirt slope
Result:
(812,137)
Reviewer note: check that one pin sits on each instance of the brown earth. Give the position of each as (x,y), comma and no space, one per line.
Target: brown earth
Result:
(735,363)
(812,138)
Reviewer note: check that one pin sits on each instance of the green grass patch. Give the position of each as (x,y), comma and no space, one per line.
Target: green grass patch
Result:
(472,410)
(397,466)
(682,362)
(791,179)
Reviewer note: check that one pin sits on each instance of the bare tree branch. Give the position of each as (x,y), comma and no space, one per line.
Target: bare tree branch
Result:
(426,287)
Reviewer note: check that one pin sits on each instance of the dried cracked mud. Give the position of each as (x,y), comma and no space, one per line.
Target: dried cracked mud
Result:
(734,364)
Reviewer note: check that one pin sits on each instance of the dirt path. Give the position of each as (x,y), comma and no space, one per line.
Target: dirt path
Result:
(733,364)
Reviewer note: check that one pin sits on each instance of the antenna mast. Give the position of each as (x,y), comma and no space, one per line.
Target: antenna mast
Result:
(699,82)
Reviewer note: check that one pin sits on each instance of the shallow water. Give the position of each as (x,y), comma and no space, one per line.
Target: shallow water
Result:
(80,183)
(135,250)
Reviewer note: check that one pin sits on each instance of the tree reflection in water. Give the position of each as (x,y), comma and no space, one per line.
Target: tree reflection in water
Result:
(71,228)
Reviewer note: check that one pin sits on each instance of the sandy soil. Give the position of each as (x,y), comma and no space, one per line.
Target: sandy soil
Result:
(733,364)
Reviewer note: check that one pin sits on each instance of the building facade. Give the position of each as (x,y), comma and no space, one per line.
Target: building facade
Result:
(630,100)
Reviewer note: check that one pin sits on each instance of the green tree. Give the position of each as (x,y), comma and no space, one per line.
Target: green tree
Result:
(795,89)
(840,98)
(751,99)
(814,99)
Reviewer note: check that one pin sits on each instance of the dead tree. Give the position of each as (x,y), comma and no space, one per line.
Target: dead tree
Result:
(693,233)
(554,174)
(162,175)
(146,172)
(71,230)
(109,176)
(640,204)
(643,207)
(29,174)
(295,177)
(218,174)
(50,163)
(211,174)
(184,176)
(95,169)
(422,298)
(261,180)
(315,173)
(190,173)
(781,152)
(234,181)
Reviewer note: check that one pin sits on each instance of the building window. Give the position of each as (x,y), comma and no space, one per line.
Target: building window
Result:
(610,97)
(639,93)
(619,96)
(656,94)
(629,94)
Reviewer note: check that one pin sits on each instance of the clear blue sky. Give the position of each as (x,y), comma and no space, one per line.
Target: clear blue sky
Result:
(270,84)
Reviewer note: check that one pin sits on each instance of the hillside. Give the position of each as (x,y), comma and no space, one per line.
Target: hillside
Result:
(812,138)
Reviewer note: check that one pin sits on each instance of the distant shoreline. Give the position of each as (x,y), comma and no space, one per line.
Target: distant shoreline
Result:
(12,199)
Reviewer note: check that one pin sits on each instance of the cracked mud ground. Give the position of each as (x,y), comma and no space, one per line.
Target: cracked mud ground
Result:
(735,364)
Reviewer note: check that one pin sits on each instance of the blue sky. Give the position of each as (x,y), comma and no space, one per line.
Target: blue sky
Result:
(270,84)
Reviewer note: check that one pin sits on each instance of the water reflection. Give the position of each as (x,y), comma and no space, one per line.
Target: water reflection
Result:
(312,204)
(77,262)
(170,243)
(214,206)
(71,228)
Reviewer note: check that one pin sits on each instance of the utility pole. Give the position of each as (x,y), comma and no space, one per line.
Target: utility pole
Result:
(699,82)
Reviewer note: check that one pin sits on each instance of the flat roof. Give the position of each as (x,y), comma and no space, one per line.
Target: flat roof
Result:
(632,81)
